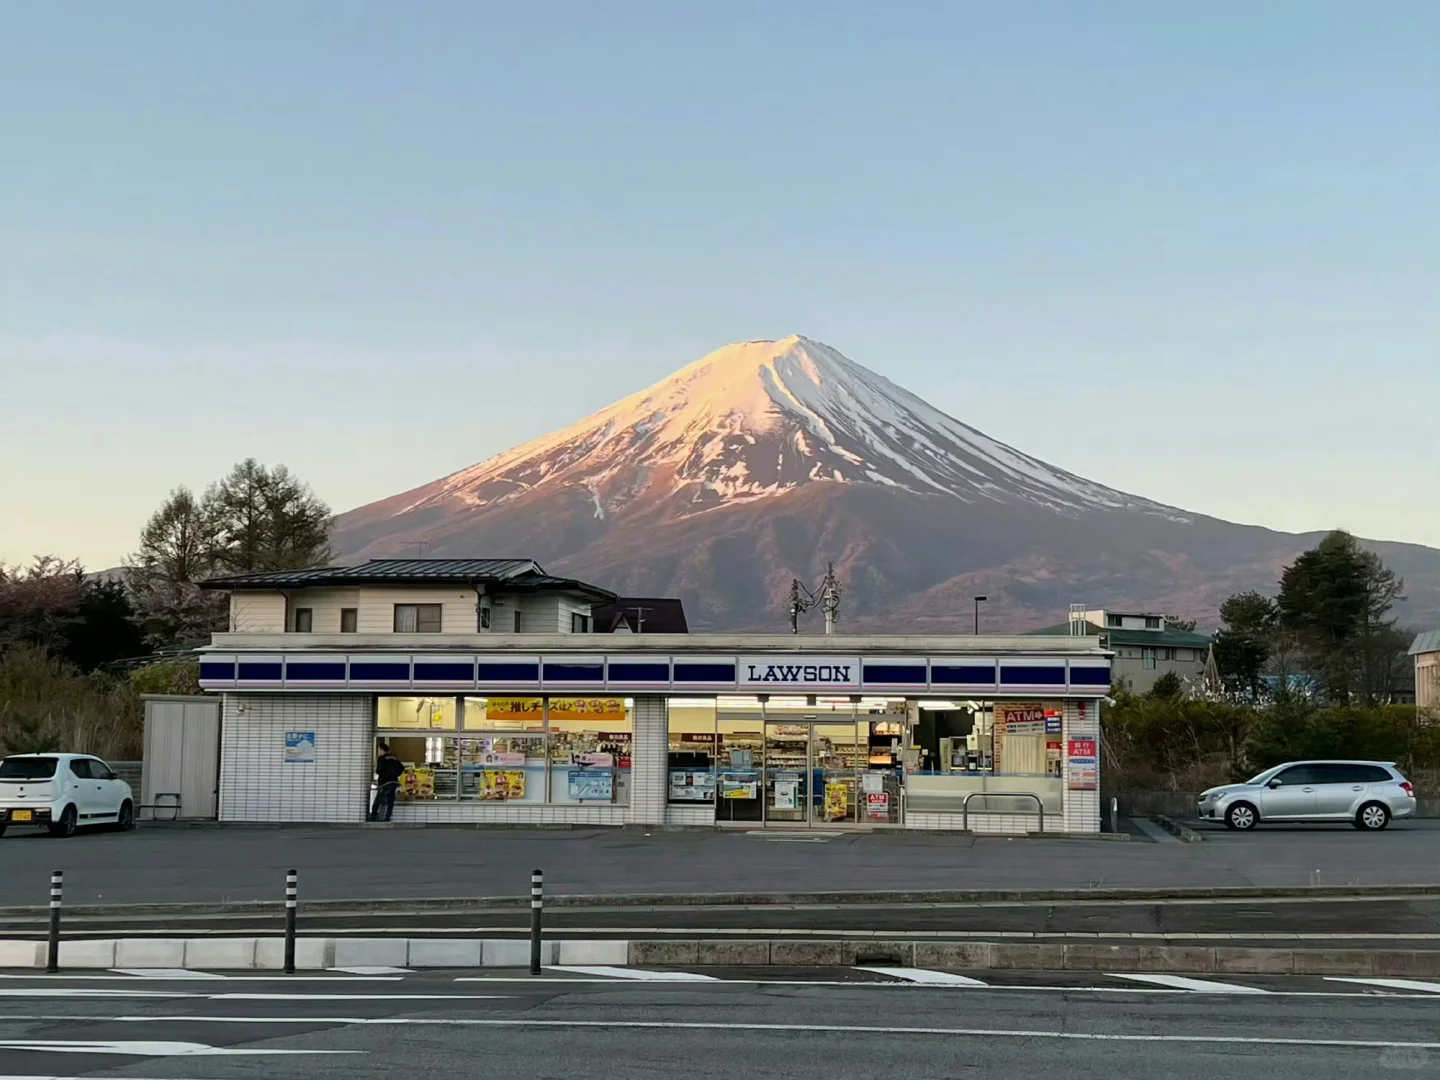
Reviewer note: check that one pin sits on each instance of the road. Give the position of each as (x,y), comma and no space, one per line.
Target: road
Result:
(803,1026)
(167,864)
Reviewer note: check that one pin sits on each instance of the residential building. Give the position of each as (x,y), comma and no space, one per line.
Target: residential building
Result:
(1426,651)
(1144,644)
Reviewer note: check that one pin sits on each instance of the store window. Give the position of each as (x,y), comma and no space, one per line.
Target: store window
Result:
(693,751)
(985,747)
(590,746)
(501,749)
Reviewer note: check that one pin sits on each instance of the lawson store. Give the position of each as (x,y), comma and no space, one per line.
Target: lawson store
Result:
(996,734)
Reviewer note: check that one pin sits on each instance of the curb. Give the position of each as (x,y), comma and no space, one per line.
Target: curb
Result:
(1183,832)
(322,953)
(792,899)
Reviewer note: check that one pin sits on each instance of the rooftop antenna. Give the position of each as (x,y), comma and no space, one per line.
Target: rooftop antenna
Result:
(419,545)
(639,617)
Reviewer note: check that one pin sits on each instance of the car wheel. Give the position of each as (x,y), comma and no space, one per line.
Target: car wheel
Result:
(1372,817)
(1241,816)
(66,825)
(125,821)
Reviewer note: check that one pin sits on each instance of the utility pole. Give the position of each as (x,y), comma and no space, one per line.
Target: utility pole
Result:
(978,601)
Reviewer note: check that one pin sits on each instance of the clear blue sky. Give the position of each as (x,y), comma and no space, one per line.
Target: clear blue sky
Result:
(1189,250)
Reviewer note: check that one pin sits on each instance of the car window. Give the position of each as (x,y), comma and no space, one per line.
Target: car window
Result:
(1296,774)
(1374,774)
(27,768)
(99,770)
(81,768)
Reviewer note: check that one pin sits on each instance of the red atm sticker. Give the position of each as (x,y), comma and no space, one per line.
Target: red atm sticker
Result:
(1082,748)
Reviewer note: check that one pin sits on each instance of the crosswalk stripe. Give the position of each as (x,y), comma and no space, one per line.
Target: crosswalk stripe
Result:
(1179,982)
(1391,984)
(636,973)
(924,975)
(166,973)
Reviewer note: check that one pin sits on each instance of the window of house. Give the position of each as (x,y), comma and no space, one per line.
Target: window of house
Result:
(1167,654)
(482,621)
(1114,620)
(349,620)
(517,621)
(1152,622)
(304,620)
(1147,657)
(417,618)
(579,624)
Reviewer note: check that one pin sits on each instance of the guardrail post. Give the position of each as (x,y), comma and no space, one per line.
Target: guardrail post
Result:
(57,886)
(1114,814)
(292,892)
(537,904)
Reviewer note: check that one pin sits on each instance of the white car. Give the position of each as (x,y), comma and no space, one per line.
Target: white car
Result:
(62,792)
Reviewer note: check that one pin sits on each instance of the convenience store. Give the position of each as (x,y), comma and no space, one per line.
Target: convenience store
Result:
(744,731)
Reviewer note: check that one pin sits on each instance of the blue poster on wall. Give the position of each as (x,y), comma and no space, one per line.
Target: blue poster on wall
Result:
(299,748)
(587,786)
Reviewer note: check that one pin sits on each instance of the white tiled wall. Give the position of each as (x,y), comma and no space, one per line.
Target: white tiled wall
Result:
(1009,824)
(482,813)
(1082,808)
(649,755)
(256,784)
(698,814)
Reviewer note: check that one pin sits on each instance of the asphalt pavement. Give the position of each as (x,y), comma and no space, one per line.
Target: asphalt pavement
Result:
(159,864)
(589,1025)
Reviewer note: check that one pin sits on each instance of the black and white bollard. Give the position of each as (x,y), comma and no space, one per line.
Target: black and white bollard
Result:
(57,885)
(537,904)
(292,891)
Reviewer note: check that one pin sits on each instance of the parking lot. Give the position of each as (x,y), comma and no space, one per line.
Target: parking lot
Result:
(166,864)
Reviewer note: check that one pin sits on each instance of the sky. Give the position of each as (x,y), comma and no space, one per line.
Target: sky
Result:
(1191,251)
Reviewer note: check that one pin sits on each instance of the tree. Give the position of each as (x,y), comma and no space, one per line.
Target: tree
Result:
(39,602)
(1174,622)
(177,550)
(1168,687)
(1245,641)
(266,519)
(105,629)
(1335,599)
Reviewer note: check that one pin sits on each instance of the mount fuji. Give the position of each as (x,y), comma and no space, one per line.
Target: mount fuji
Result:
(766,460)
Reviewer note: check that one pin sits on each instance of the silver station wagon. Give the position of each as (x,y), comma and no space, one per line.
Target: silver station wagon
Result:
(1365,793)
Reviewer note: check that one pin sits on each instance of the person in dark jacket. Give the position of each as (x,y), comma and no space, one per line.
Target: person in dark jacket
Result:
(388,770)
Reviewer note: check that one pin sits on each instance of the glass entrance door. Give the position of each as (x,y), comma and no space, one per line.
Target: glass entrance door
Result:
(836,755)
(787,772)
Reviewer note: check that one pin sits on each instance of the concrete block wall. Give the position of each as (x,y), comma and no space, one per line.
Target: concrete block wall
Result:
(256,783)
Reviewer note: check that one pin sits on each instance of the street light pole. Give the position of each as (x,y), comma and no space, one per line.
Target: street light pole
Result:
(978,601)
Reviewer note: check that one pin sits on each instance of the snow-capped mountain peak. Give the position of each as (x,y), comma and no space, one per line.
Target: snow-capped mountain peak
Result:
(760,418)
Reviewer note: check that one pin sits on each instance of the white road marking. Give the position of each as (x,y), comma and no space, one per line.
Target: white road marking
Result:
(67,977)
(147,1049)
(1391,984)
(354,997)
(681,1025)
(378,970)
(636,973)
(85,991)
(924,975)
(166,973)
(1179,982)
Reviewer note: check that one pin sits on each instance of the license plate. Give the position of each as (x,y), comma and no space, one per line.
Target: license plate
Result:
(20,815)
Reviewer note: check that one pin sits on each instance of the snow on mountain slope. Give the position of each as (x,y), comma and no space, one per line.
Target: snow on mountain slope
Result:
(761,418)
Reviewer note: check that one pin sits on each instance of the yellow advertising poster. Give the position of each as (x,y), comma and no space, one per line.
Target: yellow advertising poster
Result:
(837,800)
(417,784)
(598,709)
(502,784)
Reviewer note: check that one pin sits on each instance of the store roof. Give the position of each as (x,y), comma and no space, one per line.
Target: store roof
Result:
(1185,639)
(522,575)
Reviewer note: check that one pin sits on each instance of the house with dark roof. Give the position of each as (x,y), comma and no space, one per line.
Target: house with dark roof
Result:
(413,596)
(642,615)
(1145,645)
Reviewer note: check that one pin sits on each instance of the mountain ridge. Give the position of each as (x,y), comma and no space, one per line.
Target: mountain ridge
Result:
(765,460)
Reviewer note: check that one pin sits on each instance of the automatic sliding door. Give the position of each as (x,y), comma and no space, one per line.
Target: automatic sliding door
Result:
(787,772)
(837,756)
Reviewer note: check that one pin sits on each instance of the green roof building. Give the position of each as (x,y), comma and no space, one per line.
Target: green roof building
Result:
(1145,645)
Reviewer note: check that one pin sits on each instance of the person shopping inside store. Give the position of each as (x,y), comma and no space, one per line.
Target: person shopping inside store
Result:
(388,770)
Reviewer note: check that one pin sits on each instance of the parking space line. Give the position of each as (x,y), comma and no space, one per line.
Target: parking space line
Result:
(1391,984)
(635,973)
(1179,982)
(924,975)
